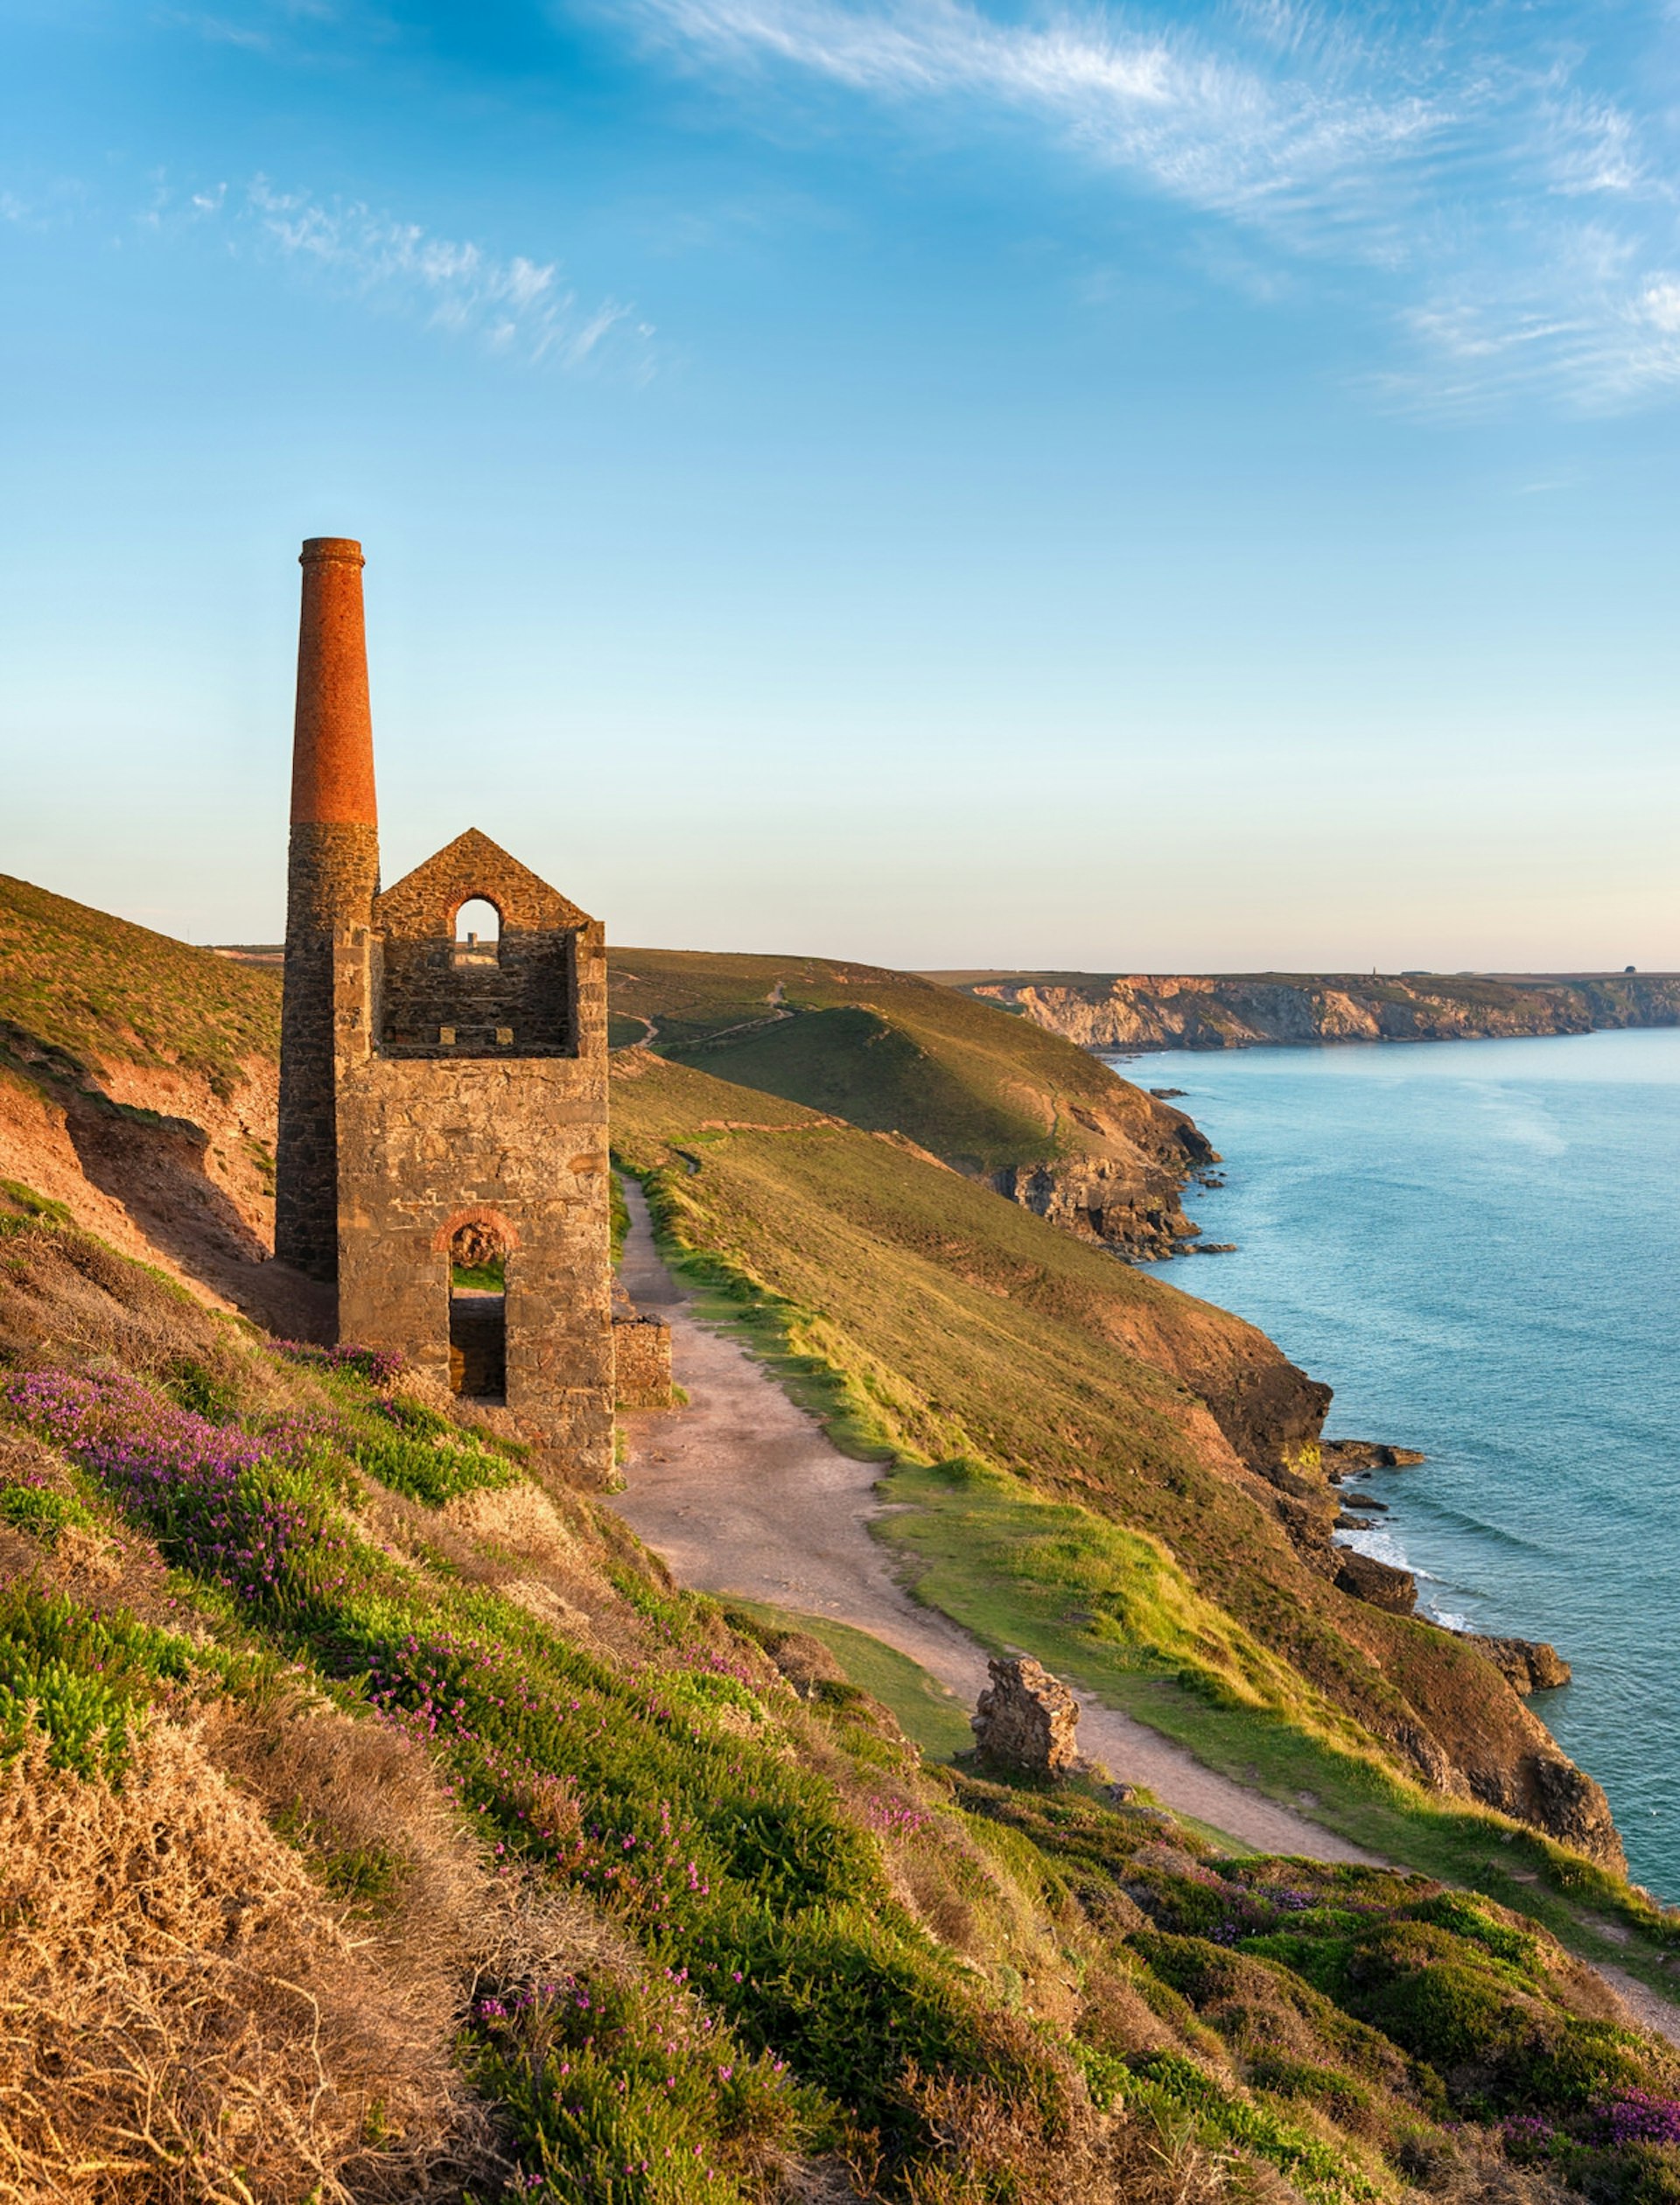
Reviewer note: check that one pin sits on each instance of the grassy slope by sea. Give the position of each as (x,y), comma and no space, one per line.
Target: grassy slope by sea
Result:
(889,1052)
(1063,1495)
(497,1866)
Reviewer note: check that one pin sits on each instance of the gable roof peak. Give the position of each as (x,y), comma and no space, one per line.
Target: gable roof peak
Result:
(471,867)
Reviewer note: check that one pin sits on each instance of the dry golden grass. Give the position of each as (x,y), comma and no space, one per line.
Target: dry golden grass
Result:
(183,2015)
(1097,2160)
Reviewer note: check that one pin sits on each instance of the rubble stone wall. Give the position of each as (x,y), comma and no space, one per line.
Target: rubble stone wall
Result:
(333,874)
(641,1353)
(426,1145)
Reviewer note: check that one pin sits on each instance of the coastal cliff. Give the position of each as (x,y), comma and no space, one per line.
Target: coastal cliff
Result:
(1164,1435)
(1238,1011)
(996,1098)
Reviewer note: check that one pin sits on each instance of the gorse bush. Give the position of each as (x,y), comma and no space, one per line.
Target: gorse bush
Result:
(41,1510)
(86,1681)
(431,1470)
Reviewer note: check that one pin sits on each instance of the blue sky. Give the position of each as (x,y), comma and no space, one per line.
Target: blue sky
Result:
(942,483)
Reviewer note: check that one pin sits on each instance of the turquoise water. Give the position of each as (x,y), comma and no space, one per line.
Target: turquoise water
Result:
(1477,1243)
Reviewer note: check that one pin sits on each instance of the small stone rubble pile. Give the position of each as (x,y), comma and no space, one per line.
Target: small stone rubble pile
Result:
(1026,1719)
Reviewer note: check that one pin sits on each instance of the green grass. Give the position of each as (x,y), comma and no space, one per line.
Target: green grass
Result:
(892,1053)
(923,1316)
(21,1207)
(1069,1509)
(980,1547)
(82,990)
(927,1714)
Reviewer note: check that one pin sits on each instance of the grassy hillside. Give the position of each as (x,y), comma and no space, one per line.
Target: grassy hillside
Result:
(376,1825)
(94,991)
(989,1093)
(1074,1493)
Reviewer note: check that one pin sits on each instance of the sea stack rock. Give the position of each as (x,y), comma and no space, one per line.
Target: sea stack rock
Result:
(1027,1719)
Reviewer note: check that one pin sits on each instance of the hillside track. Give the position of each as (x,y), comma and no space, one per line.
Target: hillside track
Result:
(743,1492)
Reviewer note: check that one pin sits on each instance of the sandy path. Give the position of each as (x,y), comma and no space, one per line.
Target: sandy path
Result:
(742,1493)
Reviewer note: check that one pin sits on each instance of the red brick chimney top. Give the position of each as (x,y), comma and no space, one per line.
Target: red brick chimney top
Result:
(317,548)
(332,748)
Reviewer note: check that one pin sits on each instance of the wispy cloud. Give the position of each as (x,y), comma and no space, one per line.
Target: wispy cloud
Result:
(1520,219)
(514,306)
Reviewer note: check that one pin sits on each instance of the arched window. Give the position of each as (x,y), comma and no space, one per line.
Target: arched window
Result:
(477,930)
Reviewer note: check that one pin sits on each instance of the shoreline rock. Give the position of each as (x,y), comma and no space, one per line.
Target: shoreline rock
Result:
(1527,1665)
(1343,1455)
(1377,1583)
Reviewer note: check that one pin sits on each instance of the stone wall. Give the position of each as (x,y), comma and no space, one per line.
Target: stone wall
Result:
(428,1144)
(333,874)
(516,997)
(641,1360)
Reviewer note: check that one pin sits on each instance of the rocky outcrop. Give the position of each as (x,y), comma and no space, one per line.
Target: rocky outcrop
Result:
(1121,1175)
(1139,1011)
(1527,1665)
(1027,1719)
(1378,1582)
(1342,1456)
(1138,1212)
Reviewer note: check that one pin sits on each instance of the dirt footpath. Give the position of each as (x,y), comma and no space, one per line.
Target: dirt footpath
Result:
(742,1493)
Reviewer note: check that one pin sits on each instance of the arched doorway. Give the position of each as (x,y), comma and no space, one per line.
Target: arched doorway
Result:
(478,1311)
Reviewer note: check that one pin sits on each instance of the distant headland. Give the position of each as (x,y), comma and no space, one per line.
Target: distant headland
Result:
(1256,1009)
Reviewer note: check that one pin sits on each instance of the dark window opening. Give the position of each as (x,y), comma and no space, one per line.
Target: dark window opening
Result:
(467,993)
(477,1313)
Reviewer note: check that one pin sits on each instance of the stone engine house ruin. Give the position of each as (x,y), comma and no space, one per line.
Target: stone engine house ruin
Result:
(442,1150)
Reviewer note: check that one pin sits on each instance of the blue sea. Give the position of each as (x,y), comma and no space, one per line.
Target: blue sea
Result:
(1477,1243)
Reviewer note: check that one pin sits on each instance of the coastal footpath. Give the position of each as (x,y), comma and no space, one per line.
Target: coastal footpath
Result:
(1245,1011)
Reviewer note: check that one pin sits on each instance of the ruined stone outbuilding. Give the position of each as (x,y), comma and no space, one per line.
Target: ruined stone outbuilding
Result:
(444,1100)
(1026,1719)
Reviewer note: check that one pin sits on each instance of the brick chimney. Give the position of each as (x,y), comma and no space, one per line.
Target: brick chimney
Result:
(332,876)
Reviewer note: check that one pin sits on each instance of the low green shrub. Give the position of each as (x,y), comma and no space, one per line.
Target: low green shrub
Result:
(431,1470)
(41,1511)
(628,2091)
(85,1680)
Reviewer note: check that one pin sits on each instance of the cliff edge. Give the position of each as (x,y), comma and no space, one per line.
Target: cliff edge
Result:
(995,1097)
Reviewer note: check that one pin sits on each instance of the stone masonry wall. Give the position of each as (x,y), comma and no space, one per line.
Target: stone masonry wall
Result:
(641,1362)
(427,1145)
(516,999)
(333,874)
